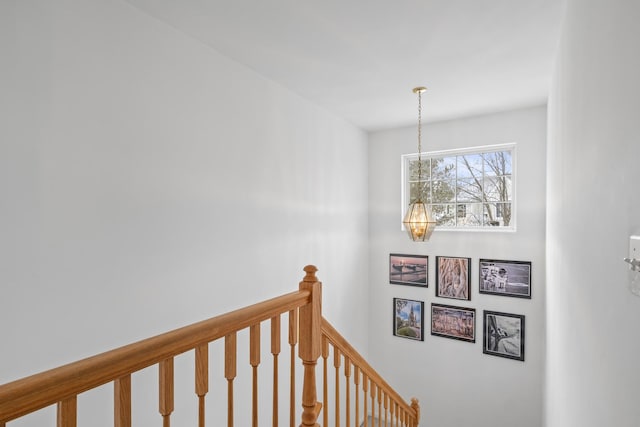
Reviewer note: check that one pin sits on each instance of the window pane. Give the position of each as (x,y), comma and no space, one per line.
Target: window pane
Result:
(444,215)
(443,191)
(472,215)
(498,188)
(443,168)
(469,190)
(503,212)
(497,163)
(461,211)
(413,169)
(419,189)
(470,166)
(497,214)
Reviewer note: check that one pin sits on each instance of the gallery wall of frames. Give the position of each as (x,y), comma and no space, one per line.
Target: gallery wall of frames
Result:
(457,278)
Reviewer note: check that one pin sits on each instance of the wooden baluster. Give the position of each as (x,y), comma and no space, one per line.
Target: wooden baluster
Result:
(68,412)
(254,360)
(325,381)
(397,413)
(336,364)
(202,379)
(122,401)
(293,340)
(230,372)
(365,388)
(356,382)
(415,405)
(310,345)
(374,389)
(386,410)
(379,406)
(166,391)
(393,412)
(347,374)
(275,350)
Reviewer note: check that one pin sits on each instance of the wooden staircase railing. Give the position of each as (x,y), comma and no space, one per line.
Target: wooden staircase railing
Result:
(396,411)
(308,331)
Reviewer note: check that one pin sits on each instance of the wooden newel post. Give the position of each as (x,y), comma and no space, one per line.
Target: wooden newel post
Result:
(310,346)
(415,405)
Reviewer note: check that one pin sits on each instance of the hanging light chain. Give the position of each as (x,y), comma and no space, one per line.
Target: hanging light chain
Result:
(420,137)
(419,91)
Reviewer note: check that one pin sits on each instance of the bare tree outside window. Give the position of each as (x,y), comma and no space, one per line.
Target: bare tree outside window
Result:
(465,190)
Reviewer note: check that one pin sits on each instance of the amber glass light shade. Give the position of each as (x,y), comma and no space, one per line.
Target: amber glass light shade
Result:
(419,222)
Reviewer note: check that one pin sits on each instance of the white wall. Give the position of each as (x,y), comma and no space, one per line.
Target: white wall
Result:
(455,382)
(593,207)
(147,182)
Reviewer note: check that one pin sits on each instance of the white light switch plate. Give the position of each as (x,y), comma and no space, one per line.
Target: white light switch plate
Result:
(634,247)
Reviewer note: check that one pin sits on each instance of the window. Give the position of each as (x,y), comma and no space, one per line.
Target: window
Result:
(466,189)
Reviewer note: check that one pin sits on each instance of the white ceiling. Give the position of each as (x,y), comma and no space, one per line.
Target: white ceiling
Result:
(361,59)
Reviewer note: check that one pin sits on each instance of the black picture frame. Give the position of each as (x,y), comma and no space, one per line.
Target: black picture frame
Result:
(453,277)
(408,319)
(503,335)
(505,278)
(410,270)
(458,323)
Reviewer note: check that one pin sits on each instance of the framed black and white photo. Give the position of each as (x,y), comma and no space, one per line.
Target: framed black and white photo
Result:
(506,278)
(453,322)
(453,276)
(408,269)
(503,335)
(408,319)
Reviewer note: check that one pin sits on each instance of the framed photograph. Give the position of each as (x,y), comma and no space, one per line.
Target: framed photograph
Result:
(453,322)
(408,269)
(506,278)
(453,277)
(504,335)
(408,319)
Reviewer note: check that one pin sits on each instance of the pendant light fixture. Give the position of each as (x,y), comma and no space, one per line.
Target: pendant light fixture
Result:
(418,220)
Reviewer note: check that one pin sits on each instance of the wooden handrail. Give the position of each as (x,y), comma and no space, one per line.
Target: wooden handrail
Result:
(368,372)
(308,331)
(62,384)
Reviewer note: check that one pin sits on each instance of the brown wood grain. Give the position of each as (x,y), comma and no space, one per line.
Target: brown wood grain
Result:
(29,394)
(68,412)
(166,390)
(254,361)
(202,379)
(347,375)
(310,346)
(122,401)
(307,330)
(275,351)
(230,371)
(368,372)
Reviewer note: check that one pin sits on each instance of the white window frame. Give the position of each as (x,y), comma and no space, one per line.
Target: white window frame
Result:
(512,147)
